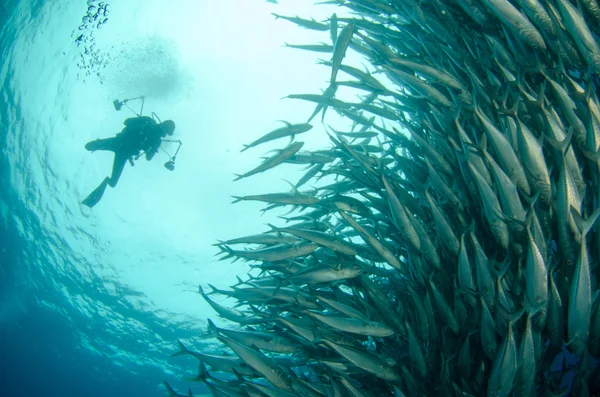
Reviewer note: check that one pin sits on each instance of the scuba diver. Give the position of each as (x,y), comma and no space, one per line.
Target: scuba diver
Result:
(141,135)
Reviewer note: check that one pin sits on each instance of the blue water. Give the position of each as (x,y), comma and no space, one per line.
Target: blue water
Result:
(93,301)
(69,325)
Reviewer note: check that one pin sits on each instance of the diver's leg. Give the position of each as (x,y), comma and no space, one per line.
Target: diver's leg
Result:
(118,165)
(102,144)
(96,195)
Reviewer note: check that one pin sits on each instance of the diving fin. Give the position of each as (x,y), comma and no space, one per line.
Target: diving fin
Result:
(96,195)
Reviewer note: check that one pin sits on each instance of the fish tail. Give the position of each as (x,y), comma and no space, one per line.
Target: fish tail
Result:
(318,338)
(237,198)
(533,309)
(273,227)
(182,350)
(212,327)
(224,250)
(240,282)
(238,375)
(542,94)
(511,318)
(594,156)
(202,373)
(561,146)
(214,289)
(531,200)
(585,225)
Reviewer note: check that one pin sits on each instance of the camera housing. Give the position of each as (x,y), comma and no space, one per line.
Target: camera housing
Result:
(170,165)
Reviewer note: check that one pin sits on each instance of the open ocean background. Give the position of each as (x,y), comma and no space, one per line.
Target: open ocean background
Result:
(93,301)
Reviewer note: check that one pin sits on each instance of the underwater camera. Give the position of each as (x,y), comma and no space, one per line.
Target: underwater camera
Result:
(170,165)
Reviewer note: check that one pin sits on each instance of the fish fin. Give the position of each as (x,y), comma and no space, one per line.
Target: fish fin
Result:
(222,248)
(246,147)
(594,156)
(470,291)
(585,225)
(471,228)
(505,266)
(214,289)
(202,373)
(182,350)
(533,309)
(224,352)
(542,94)
(287,123)
(238,375)
(240,281)
(293,187)
(323,114)
(510,318)
(513,110)
(562,146)
(515,220)
(315,112)
(212,327)
(318,338)
(170,390)
(273,227)
(531,200)
(225,250)
(587,93)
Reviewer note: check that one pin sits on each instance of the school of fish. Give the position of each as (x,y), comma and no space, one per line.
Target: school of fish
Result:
(448,246)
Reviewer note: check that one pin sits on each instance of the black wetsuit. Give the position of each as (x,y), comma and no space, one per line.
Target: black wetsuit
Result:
(141,134)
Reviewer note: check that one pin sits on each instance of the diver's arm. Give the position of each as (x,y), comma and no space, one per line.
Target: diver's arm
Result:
(150,153)
(154,144)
